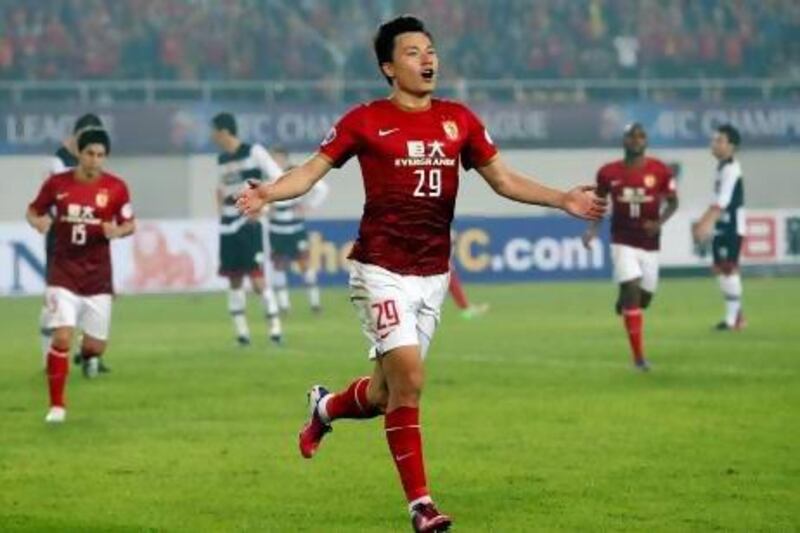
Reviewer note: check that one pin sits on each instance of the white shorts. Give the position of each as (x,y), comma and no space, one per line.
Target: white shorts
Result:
(396,310)
(91,314)
(632,263)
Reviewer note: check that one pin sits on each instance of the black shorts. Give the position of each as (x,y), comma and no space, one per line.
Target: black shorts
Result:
(726,249)
(242,253)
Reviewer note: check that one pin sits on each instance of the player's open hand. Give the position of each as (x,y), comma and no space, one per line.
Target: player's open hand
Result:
(582,202)
(701,232)
(251,200)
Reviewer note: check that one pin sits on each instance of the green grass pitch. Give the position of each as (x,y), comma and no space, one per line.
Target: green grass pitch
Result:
(532,419)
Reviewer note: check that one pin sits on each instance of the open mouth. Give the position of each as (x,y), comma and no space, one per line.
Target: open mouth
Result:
(428,74)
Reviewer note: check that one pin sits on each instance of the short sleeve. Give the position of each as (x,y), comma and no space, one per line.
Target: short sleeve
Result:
(266,163)
(727,184)
(44,200)
(479,149)
(342,141)
(124,212)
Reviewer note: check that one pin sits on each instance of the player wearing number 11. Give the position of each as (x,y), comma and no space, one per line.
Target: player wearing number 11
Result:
(409,147)
(644,197)
(90,208)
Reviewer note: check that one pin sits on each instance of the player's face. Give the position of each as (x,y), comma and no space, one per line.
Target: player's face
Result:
(218,136)
(721,148)
(91,159)
(635,142)
(414,64)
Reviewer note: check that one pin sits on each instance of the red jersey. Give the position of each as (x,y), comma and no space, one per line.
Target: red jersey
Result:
(81,260)
(409,162)
(637,193)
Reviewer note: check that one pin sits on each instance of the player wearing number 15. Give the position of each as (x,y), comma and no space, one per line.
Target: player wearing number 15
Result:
(409,147)
(644,197)
(90,207)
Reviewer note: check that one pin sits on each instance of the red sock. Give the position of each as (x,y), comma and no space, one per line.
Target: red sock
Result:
(633,324)
(405,443)
(457,291)
(57,370)
(351,402)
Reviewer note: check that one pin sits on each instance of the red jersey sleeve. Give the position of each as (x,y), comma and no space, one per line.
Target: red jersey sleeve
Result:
(343,140)
(479,149)
(124,209)
(41,204)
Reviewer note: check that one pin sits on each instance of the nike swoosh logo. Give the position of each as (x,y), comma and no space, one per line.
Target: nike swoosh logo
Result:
(384,133)
(62,195)
(399,458)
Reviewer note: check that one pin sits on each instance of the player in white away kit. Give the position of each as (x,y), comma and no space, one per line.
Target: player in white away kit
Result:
(409,147)
(241,239)
(725,218)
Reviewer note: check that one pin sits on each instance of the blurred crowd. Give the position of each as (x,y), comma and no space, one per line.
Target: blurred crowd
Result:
(316,39)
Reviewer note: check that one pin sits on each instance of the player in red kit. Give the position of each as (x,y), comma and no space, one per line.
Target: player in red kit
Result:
(644,197)
(90,207)
(409,147)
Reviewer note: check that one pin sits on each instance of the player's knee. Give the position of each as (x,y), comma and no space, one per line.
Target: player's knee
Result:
(61,339)
(92,347)
(725,268)
(408,390)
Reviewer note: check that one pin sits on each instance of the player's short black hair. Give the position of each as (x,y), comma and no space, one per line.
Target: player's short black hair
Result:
(94,136)
(224,121)
(730,131)
(633,126)
(89,120)
(384,37)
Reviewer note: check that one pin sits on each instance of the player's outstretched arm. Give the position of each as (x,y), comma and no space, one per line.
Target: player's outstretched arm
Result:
(294,183)
(40,223)
(580,201)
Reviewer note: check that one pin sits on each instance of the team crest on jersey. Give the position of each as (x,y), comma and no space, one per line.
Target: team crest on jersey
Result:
(649,181)
(101,199)
(450,129)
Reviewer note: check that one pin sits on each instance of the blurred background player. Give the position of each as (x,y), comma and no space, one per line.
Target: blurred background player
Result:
(724,218)
(644,196)
(456,289)
(91,208)
(288,239)
(65,158)
(241,238)
(409,147)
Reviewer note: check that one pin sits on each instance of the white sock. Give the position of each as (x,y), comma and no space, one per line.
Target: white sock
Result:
(310,278)
(237,304)
(322,408)
(731,287)
(270,302)
(45,333)
(280,282)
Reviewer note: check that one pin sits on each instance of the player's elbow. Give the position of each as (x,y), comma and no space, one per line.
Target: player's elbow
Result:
(503,185)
